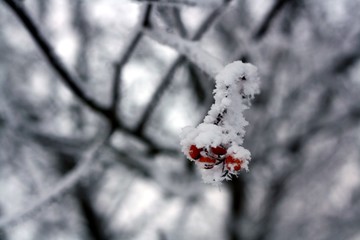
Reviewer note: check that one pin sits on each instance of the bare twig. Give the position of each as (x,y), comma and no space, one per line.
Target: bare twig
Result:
(94,222)
(261,30)
(266,23)
(82,25)
(179,23)
(172,15)
(71,81)
(124,58)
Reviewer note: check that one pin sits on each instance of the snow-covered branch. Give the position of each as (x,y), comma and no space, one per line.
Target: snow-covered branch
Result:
(216,144)
(69,79)
(192,50)
(168,76)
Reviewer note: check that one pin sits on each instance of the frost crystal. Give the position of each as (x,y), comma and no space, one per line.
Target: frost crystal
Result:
(215,145)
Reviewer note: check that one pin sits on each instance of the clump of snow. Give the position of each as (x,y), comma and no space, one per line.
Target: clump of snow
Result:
(224,125)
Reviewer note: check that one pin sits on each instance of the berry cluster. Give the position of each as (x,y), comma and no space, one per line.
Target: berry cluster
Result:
(208,157)
(216,144)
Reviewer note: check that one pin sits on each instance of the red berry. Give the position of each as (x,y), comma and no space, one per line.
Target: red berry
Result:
(237,167)
(207,161)
(218,150)
(233,164)
(194,152)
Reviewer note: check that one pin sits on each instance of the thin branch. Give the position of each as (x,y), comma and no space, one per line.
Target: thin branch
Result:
(132,163)
(194,73)
(124,58)
(179,23)
(172,17)
(210,20)
(261,31)
(60,144)
(147,17)
(195,79)
(81,24)
(165,82)
(129,49)
(346,61)
(93,220)
(51,56)
(266,23)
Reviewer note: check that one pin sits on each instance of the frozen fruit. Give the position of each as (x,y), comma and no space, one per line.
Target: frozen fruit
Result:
(218,150)
(207,162)
(233,164)
(194,152)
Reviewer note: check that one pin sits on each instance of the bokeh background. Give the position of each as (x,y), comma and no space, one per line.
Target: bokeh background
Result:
(91,109)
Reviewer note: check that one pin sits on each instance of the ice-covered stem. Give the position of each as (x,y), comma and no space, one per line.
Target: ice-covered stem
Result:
(216,144)
(192,50)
